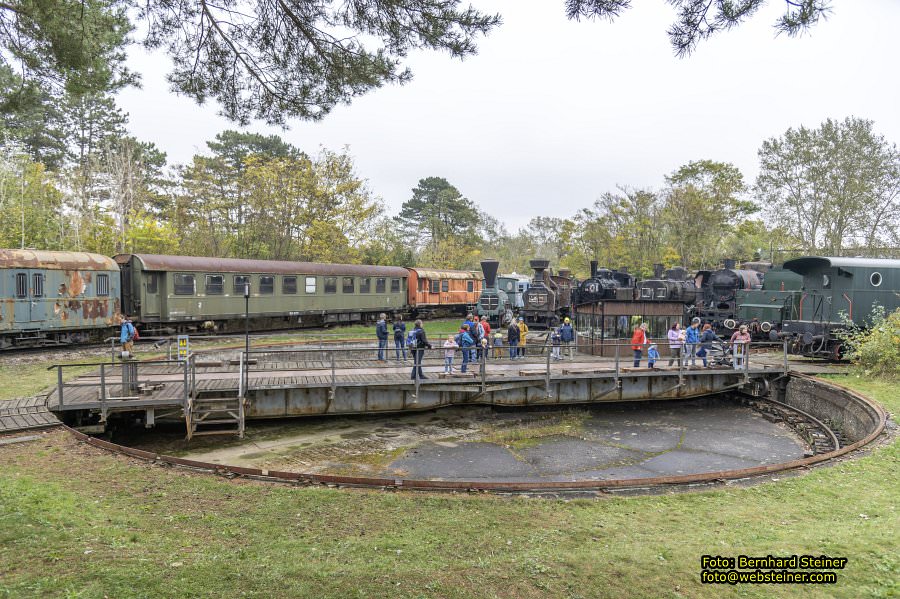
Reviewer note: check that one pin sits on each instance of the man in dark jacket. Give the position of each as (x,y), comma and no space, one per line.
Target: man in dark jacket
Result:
(418,351)
(381,332)
(512,338)
(400,337)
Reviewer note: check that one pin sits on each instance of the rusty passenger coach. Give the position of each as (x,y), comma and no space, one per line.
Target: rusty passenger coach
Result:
(55,298)
(439,292)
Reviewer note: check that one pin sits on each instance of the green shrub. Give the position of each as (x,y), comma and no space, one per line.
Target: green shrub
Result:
(875,350)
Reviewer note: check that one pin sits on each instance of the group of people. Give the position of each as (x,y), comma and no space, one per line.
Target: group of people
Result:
(474,340)
(689,344)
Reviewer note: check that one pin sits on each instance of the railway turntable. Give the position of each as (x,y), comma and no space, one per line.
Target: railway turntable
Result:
(217,396)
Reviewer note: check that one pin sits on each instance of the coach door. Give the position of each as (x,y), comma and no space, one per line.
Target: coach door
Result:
(151,294)
(22,298)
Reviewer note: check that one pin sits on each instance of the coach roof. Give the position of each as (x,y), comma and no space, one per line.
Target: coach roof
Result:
(41,259)
(808,263)
(156,262)
(431,273)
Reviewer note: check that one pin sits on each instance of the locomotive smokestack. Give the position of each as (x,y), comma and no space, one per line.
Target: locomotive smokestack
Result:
(623,269)
(594,269)
(489,268)
(729,263)
(539,265)
(657,271)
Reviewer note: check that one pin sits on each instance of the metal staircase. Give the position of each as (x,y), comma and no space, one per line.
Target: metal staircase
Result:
(216,415)
(213,412)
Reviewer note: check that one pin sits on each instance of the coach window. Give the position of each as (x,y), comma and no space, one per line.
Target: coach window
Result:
(395,285)
(445,285)
(646,292)
(288,285)
(266,284)
(310,284)
(661,293)
(151,283)
(470,286)
(184,284)
(240,281)
(21,284)
(365,285)
(826,282)
(348,285)
(37,285)
(215,284)
(380,285)
(875,279)
(330,284)
(436,286)
(103,284)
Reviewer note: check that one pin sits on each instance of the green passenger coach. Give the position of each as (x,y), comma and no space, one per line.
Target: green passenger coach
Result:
(836,290)
(188,293)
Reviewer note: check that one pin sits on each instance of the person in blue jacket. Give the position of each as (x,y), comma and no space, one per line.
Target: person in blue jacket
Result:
(567,336)
(465,342)
(126,336)
(652,355)
(381,333)
(691,339)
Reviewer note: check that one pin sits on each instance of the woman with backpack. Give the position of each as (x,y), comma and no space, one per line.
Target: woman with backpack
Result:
(512,339)
(418,343)
(465,342)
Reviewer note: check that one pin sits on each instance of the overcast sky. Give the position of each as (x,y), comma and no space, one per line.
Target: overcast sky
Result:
(552,113)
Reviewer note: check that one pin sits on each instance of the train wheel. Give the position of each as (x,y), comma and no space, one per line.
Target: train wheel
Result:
(837,352)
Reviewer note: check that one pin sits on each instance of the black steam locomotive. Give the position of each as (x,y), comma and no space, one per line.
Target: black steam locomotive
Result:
(673,285)
(604,284)
(719,291)
(549,298)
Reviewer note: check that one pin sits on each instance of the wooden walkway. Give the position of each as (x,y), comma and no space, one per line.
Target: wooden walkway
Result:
(25,413)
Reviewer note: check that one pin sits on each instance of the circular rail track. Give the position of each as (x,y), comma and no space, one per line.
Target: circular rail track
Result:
(29,413)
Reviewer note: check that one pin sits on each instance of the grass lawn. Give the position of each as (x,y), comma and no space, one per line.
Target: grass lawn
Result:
(78,522)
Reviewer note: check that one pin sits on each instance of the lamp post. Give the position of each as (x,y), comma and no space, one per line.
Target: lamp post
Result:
(246,332)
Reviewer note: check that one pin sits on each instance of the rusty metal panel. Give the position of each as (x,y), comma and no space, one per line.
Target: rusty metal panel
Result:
(156,262)
(75,261)
(432,273)
(56,298)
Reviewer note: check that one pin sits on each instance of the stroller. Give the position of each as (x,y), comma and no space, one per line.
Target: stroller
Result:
(718,353)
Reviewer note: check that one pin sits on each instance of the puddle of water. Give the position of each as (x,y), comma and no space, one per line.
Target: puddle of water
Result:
(549,442)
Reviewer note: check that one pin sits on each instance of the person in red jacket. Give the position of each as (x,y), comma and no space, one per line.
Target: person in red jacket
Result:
(638,341)
(487,334)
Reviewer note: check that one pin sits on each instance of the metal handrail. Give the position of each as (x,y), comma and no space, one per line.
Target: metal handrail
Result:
(105,368)
(330,361)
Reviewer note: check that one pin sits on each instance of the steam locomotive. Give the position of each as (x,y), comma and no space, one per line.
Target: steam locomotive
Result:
(549,298)
(604,284)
